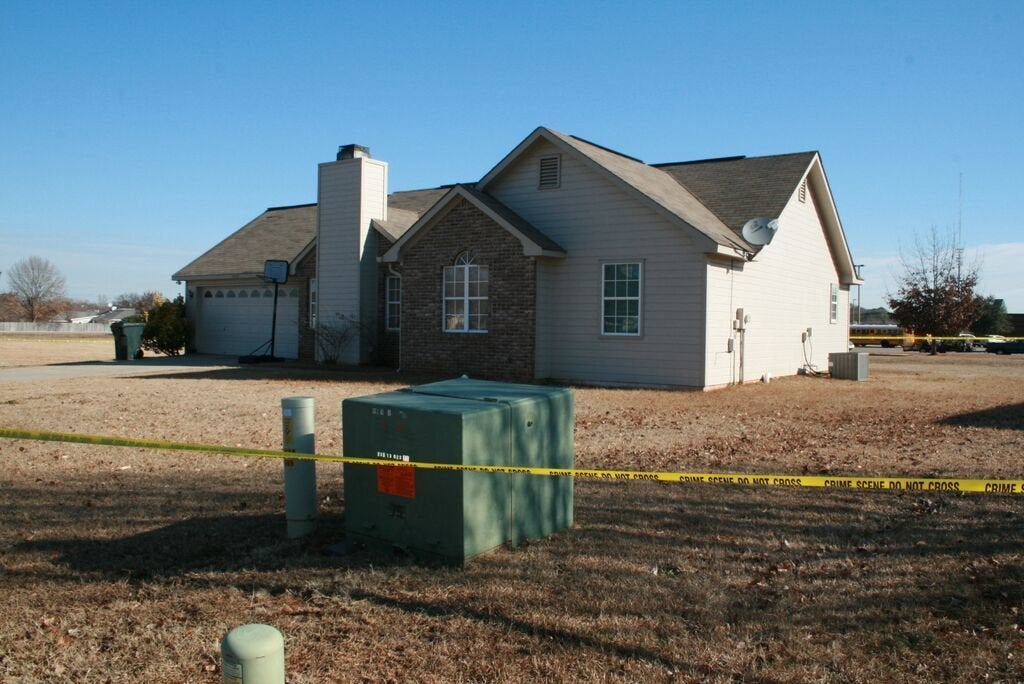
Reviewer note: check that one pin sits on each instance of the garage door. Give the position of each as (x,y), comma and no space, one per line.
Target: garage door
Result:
(235,320)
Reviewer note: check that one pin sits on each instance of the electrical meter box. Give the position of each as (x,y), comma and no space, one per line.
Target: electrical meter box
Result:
(453,515)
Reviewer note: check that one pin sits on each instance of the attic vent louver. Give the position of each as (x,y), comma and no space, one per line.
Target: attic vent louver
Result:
(550,172)
(802,196)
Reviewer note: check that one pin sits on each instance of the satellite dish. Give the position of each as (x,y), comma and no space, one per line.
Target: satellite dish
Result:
(760,231)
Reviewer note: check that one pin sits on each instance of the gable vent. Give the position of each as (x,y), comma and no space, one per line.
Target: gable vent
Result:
(802,195)
(550,172)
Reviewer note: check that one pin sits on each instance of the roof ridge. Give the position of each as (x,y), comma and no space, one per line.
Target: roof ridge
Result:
(700,161)
(291,206)
(736,158)
(606,149)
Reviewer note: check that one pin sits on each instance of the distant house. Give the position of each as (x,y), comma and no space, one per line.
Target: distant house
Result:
(79,316)
(1017,321)
(113,315)
(566,261)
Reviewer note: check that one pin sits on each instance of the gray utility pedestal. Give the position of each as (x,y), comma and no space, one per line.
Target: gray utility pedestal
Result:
(452,516)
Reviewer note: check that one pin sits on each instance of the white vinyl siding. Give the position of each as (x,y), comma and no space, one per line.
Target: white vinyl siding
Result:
(598,221)
(351,192)
(784,291)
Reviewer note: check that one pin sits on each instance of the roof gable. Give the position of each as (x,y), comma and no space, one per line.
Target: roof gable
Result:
(650,183)
(533,241)
(738,189)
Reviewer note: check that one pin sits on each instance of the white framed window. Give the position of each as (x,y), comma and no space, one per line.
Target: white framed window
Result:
(393,313)
(467,306)
(312,302)
(833,303)
(621,298)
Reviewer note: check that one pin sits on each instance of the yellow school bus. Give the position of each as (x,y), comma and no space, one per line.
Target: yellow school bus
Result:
(864,334)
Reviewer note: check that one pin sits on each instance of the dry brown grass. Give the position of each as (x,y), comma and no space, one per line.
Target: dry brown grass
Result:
(126,565)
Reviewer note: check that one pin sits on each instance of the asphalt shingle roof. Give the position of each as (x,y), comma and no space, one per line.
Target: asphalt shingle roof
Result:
(716,197)
(284,232)
(739,189)
(405,208)
(277,233)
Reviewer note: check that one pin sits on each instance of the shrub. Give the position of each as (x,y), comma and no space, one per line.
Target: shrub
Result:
(167,330)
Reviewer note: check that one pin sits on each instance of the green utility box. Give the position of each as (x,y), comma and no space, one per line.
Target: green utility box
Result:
(127,340)
(454,515)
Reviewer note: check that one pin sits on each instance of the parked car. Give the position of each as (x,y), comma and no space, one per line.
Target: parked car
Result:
(1005,347)
(965,343)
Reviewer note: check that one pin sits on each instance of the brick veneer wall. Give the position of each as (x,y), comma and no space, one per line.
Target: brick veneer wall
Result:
(307,339)
(506,351)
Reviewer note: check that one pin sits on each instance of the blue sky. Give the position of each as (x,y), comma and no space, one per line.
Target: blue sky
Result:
(134,136)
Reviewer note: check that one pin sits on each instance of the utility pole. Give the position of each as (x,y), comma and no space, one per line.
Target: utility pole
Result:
(856,272)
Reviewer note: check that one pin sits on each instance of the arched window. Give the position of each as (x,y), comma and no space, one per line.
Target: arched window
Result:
(466,304)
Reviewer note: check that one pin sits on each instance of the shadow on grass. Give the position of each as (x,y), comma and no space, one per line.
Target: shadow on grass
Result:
(563,637)
(771,564)
(299,372)
(221,544)
(1008,417)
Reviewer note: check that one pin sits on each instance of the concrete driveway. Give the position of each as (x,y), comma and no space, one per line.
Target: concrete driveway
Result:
(145,366)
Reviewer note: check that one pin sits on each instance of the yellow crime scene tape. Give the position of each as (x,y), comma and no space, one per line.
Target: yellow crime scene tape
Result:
(909,484)
(924,338)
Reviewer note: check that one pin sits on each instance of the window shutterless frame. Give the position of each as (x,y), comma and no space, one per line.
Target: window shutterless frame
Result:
(393,303)
(833,303)
(465,294)
(312,302)
(622,298)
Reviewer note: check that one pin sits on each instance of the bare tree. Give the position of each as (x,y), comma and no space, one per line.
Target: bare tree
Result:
(936,293)
(39,287)
(10,308)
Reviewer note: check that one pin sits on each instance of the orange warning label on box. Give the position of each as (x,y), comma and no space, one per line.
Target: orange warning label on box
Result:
(397,480)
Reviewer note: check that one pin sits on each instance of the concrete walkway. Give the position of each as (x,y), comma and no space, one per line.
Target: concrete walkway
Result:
(145,366)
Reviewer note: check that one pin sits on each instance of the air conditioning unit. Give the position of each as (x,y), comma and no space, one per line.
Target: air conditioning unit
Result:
(848,365)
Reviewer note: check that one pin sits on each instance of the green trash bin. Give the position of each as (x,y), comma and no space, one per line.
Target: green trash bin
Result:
(127,340)
(120,350)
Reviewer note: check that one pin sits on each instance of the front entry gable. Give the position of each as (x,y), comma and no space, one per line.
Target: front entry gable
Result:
(533,242)
(480,323)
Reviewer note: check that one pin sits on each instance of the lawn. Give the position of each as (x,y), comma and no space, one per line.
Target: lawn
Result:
(125,565)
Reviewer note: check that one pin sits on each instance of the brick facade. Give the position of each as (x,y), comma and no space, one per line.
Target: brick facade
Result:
(506,350)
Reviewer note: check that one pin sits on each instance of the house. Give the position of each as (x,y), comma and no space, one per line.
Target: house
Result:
(113,315)
(566,261)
